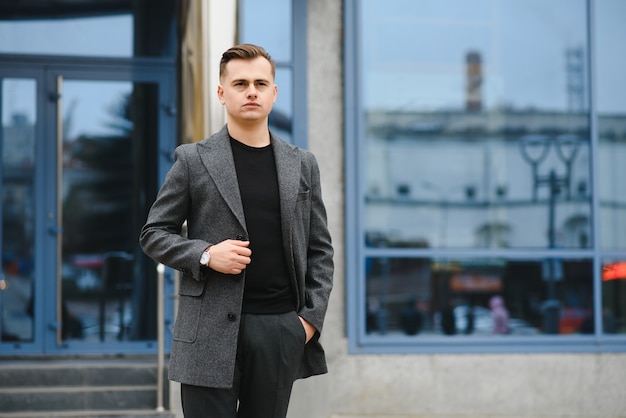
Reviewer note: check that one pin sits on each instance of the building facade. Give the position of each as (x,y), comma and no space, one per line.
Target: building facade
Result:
(471,158)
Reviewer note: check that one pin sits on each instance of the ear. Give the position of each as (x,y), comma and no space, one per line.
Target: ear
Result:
(220,93)
(275,93)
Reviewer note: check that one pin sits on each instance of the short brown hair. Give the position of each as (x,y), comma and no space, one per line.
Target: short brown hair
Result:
(245,52)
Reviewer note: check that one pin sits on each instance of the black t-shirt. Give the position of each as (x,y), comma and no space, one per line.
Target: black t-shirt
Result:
(267,287)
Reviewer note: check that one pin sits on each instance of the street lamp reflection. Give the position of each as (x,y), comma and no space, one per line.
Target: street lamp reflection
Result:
(534,150)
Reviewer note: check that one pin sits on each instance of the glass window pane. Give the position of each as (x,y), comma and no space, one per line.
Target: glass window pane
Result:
(611,101)
(480,139)
(17,213)
(58,37)
(108,146)
(268,24)
(281,118)
(145,30)
(478,297)
(614,296)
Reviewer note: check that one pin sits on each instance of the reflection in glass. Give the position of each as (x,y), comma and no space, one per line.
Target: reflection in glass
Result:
(58,37)
(125,29)
(17,185)
(109,128)
(611,103)
(478,297)
(614,297)
(480,139)
(281,118)
(253,26)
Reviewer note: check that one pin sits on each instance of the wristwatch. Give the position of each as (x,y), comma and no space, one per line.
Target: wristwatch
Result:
(205,258)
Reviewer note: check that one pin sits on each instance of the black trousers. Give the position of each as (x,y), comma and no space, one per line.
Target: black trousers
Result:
(269,352)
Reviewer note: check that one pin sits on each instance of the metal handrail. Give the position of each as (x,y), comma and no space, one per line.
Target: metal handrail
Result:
(160,335)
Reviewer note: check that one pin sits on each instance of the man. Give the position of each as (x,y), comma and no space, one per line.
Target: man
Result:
(257,260)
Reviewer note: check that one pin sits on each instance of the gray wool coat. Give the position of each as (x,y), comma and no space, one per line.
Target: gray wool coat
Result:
(201,188)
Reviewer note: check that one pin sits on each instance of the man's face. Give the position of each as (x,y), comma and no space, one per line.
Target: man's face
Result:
(247,90)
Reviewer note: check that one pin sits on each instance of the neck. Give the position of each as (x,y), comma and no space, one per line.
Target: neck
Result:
(256,135)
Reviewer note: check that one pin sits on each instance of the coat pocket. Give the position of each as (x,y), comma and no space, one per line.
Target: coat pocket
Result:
(188,319)
(191,287)
(189,309)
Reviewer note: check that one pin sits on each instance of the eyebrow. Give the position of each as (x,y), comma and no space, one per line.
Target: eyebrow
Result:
(246,80)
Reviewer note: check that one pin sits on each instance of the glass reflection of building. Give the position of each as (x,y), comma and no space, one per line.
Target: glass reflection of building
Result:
(486,173)
(459,180)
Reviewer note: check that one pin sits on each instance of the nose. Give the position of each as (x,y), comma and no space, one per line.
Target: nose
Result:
(252,91)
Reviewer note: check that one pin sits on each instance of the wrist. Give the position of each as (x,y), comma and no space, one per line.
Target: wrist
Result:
(205,258)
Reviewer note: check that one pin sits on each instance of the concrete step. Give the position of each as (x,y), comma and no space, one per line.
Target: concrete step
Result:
(79,388)
(36,373)
(91,414)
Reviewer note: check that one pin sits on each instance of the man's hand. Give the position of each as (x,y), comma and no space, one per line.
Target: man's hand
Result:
(308,328)
(230,256)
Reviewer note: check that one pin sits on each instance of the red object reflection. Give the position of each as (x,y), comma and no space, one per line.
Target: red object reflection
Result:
(614,271)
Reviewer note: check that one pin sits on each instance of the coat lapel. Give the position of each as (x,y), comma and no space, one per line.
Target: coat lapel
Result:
(288,172)
(217,156)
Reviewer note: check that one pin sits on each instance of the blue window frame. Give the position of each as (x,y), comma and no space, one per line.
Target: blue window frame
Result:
(285,40)
(483,207)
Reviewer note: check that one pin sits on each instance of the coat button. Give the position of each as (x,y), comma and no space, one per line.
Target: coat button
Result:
(240,237)
(231,316)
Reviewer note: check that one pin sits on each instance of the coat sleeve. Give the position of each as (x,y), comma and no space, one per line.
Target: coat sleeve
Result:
(160,237)
(319,262)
